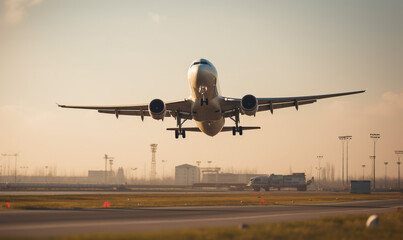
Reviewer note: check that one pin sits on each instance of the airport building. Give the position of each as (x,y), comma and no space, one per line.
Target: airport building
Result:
(187,174)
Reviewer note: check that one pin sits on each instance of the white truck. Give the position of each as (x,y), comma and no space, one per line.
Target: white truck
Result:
(296,180)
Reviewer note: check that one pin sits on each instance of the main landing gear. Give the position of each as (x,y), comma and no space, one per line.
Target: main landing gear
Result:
(236,129)
(179,123)
(181,132)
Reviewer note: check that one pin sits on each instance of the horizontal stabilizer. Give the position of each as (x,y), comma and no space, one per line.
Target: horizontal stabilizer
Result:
(227,129)
(190,129)
(224,129)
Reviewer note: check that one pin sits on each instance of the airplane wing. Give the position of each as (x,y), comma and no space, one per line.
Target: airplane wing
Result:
(172,109)
(264,104)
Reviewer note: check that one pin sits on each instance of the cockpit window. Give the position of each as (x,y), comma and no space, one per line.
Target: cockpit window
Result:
(201,62)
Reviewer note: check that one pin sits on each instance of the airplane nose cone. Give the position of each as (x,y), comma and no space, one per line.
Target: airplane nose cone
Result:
(204,74)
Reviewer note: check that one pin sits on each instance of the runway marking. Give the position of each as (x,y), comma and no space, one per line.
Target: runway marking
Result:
(134,222)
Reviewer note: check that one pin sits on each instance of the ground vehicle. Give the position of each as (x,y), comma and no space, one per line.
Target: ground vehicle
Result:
(296,180)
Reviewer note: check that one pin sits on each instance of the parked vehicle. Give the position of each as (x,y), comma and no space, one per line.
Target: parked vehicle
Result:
(296,180)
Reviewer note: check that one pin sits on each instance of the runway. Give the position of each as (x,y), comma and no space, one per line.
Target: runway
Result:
(69,222)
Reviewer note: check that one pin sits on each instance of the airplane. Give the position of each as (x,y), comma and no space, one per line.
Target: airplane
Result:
(206,106)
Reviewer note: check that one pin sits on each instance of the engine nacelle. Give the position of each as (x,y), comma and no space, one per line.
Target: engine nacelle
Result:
(249,105)
(156,108)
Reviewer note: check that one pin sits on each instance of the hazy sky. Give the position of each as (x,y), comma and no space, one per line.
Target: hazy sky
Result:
(129,52)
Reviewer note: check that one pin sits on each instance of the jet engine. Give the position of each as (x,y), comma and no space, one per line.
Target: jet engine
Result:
(249,105)
(156,108)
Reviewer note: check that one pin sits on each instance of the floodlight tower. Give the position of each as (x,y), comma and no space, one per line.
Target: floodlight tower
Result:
(386,164)
(375,137)
(106,157)
(153,161)
(110,164)
(398,153)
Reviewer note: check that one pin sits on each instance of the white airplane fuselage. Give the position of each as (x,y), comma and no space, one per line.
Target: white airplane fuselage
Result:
(205,97)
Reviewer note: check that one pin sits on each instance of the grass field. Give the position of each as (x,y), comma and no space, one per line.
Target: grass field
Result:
(334,228)
(181,199)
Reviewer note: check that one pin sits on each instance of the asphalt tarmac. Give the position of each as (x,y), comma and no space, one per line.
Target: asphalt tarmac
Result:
(70,222)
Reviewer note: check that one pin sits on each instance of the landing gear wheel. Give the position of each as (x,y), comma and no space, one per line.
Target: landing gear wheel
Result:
(233,131)
(176,133)
(183,134)
(240,131)
(206,101)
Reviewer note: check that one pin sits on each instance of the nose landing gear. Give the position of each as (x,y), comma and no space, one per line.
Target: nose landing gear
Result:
(203,100)
(202,91)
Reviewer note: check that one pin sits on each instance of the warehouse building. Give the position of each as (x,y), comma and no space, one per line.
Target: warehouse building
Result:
(186,174)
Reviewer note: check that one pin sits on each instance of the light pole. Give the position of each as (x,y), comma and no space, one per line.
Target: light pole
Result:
(375,137)
(319,169)
(348,138)
(135,172)
(363,171)
(341,138)
(15,164)
(163,169)
(386,164)
(46,175)
(25,170)
(373,162)
(106,157)
(7,166)
(398,153)
(345,139)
